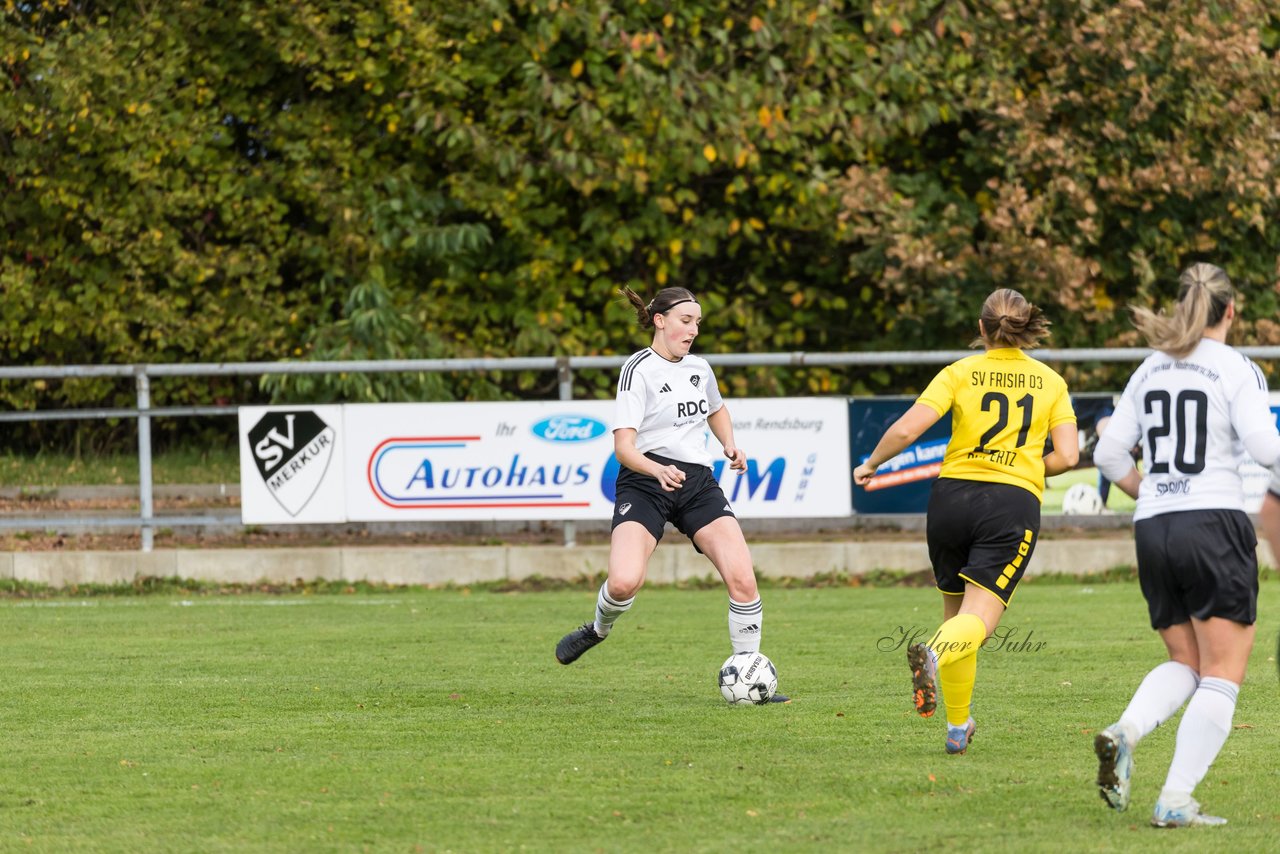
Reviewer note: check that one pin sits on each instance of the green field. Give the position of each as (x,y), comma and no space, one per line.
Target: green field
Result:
(180,466)
(438,720)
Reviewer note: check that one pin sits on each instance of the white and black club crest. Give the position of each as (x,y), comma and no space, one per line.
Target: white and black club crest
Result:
(292,451)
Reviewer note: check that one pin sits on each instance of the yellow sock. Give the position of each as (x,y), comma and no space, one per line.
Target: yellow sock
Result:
(957,680)
(956,642)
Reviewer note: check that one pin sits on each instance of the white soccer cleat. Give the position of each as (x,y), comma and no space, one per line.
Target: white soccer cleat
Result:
(1115,767)
(1185,814)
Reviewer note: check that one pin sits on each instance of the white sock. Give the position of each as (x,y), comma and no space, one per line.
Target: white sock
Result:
(1204,729)
(746,625)
(608,610)
(1160,695)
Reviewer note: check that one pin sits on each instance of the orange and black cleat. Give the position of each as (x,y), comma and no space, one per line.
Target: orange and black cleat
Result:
(924,679)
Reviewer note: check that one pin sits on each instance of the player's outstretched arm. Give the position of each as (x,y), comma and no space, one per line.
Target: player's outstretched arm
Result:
(895,440)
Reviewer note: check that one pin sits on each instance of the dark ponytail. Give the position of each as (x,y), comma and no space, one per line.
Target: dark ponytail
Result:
(667,299)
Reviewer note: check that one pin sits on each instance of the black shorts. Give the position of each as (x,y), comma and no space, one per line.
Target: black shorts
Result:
(1198,563)
(690,508)
(981,532)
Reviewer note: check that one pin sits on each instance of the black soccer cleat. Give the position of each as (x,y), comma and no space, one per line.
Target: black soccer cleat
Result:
(779,698)
(578,641)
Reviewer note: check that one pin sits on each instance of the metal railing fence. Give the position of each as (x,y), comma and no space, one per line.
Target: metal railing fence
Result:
(564,366)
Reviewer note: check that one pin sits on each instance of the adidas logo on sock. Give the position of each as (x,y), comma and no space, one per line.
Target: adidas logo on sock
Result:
(665,387)
(749,630)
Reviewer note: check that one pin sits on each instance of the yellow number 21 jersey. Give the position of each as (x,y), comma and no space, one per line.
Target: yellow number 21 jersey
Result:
(1003,404)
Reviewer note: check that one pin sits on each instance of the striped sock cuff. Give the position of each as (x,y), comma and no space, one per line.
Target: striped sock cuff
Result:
(1225,687)
(608,610)
(746,609)
(620,604)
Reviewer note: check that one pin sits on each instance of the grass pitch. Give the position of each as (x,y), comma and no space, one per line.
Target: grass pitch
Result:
(438,720)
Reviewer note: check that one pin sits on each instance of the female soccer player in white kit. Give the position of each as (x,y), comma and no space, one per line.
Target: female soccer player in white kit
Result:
(667,402)
(1196,406)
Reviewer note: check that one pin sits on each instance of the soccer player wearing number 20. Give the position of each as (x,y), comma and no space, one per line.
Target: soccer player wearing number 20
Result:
(1196,406)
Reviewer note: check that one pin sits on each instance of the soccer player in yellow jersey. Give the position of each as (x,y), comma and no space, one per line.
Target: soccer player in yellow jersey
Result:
(984,510)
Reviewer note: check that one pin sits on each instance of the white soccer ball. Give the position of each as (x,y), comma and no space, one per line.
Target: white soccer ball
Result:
(1082,499)
(748,678)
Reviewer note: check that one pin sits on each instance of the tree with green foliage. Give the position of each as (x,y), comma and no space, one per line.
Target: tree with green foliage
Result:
(1100,148)
(196,181)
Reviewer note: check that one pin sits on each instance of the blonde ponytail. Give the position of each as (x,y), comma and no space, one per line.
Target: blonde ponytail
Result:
(1204,292)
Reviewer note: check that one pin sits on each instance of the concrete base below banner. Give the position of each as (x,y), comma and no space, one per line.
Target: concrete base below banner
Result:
(464,565)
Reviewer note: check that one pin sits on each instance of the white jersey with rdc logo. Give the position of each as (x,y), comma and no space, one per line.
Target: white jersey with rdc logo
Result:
(667,404)
(1192,418)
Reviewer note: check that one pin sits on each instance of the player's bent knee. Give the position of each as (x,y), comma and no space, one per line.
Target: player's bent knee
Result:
(624,588)
(741,585)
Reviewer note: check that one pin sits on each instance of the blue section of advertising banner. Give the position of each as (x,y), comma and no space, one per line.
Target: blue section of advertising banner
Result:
(902,484)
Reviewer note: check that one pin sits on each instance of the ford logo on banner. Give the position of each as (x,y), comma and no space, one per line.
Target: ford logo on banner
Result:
(569,428)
